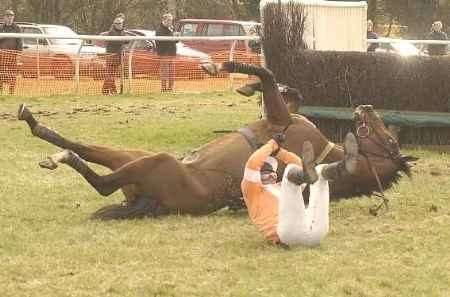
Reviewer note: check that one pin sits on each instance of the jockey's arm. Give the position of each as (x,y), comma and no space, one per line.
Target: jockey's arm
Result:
(251,183)
(289,158)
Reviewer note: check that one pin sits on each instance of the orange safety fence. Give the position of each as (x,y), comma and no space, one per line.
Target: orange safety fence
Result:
(40,74)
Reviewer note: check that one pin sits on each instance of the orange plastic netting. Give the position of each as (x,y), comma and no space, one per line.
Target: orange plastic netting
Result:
(40,74)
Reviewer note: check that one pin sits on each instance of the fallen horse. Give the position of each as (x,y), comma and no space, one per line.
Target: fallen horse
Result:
(209,178)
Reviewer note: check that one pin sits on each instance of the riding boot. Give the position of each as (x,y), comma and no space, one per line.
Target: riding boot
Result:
(347,166)
(249,89)
(308,174)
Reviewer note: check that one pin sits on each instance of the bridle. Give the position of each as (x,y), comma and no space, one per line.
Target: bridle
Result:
(363,131)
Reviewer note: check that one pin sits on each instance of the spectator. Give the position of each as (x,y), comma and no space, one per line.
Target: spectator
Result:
(167,50)
(114,58)
(437,34)
(9,49)
(254,45)
(371,35)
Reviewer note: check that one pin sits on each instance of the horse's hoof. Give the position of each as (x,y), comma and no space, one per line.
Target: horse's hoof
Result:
(246,91)
(23,112)
(210,68)
(351,151)
(48,164)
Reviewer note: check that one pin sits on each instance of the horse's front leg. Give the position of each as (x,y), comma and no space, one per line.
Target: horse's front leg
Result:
(276,109)
(102,155)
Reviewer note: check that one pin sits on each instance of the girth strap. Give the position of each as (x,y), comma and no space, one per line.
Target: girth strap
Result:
(250,137)
(330,145)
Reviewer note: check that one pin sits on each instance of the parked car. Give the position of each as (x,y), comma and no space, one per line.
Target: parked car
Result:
(399,47)
(210,27)
(145,61)
(54,57)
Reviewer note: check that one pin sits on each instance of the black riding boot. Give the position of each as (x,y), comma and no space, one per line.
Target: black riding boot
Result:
(347,166)
(308,174)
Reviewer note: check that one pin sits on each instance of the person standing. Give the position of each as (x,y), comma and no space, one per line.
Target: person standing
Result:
(437,34)
(9,50)
(114,56)
(167,51)
(371,35)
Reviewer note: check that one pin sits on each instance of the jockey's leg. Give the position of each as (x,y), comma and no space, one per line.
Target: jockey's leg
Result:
(291,210)
(317,213)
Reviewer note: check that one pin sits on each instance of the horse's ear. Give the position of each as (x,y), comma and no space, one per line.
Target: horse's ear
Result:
(408,158)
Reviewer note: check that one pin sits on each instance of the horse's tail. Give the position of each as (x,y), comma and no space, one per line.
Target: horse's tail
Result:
(140,207)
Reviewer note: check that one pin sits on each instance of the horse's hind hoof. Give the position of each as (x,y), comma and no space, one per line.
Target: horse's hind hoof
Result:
(210,68)
(23,112)
(48,164)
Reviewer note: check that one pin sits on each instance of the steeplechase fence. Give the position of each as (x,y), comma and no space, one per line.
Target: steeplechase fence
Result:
(42,71)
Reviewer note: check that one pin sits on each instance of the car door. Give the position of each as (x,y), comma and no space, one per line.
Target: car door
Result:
(35,53)
(213,30)
(234,30)
(191,29)
(33,45)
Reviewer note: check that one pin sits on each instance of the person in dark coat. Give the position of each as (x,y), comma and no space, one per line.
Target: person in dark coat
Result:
(371,35)
(167,51)
(114,55)
(9,49)
(437,34)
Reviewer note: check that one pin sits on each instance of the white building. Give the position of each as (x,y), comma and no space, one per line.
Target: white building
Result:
(332,25)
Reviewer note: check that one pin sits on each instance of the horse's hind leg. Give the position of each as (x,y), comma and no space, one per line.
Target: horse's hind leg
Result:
(277,112)
(161,176)
(105,156)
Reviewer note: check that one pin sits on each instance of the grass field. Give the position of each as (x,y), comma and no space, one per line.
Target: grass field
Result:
(49,247)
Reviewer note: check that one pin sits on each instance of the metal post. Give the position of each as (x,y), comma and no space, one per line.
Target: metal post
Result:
(230,59)
(130,70)
(38,66)
(77,69)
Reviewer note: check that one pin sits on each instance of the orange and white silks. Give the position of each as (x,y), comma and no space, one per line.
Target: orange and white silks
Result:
(278,211)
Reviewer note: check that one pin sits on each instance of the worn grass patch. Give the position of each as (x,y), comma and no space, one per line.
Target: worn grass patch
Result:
(49,247)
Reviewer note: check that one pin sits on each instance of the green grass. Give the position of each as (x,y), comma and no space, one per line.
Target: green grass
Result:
(49,247)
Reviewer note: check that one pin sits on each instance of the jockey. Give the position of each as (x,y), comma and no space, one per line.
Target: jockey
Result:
(278,209)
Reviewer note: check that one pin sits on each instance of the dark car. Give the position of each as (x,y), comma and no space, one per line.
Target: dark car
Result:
(210,28)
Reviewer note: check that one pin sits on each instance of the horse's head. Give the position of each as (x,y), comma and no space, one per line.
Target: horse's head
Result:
(291,96)
(377,143)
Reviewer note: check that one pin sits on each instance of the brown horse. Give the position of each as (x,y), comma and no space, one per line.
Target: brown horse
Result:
(209,178)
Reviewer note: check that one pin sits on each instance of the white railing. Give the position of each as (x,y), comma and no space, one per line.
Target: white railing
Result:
(393,40)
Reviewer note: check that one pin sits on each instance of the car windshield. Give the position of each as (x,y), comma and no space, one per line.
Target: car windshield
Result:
(62,31)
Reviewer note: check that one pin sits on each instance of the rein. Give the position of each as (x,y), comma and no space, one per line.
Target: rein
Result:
(363,132)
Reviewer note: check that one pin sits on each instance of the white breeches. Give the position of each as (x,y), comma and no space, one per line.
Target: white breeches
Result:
(296,223)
